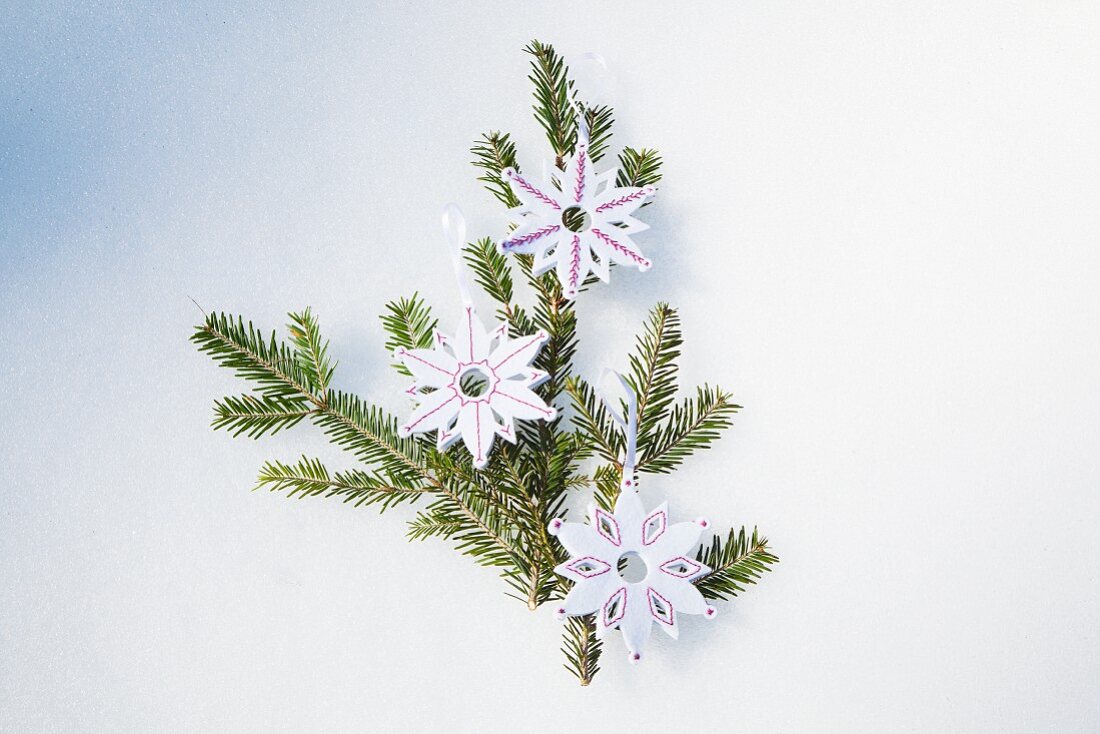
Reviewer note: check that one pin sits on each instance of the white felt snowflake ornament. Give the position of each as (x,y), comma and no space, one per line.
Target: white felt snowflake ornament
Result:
(580,227)
(660,596)
(475,385)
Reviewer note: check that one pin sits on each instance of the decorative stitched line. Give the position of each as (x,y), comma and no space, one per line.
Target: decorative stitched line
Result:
(605,564)
(575,270)
(578,188)
(622,610)
(537,337)
(687,562)
(529,238)
(614,203)
(645,527)
(436,409)
(477,416)
(470,328)
(522,182)
(523,402)
(671,621)
(410,355)
(618,539)
(615,244)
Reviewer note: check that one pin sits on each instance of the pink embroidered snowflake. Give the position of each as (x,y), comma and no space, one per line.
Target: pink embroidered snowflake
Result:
(599,222)
(479,383)
(661,594)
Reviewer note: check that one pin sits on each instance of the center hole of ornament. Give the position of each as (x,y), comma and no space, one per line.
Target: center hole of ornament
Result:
(632,568)
(576,219)
(474,382)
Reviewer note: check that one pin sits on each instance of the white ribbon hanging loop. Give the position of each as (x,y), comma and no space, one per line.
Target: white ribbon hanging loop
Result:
(629,424)
(454,232)
(589,72)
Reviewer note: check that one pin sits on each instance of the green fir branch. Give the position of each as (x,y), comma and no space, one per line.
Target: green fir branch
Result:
(735,564)
(694,424)
(258,415)
(310,478)
(639,168)
(582,648)
(267,362)
(312,353)
(553,110)
(599,121)
(493,153)
(653,369)
(492,271)
(410,325)
(593,420)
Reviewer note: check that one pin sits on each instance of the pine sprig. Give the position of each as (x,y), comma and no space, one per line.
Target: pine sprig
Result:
(553,110)
(410,325)
(258,415)
(310,478)
(268,363)
(639,167)
(735,564)
(694,424)
(582,648)
(492,271)
(371,435)
(494,152)
(593,420)
(653,369)
(599,121)
(434,524)
(312,353)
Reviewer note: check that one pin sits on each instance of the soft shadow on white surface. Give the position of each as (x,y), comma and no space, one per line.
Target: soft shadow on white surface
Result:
(879,223)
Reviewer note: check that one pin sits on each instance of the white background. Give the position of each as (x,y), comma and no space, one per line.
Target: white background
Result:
(879,221)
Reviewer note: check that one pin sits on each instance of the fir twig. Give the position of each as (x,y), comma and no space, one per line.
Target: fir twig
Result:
(740,561)
(310,478)
(494,152)
(312,353)
(257,415)
(552,106)
(582,648)
(639,167)
(694,424)
(410,325)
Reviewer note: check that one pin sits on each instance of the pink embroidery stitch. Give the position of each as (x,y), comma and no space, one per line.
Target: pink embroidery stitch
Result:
(573,567)
(671,621)
(622,608)
(532,190)
(524,402)
(621,248)
(692,566)
(578,189)
(614,203)
(470,328)
(529,238)
(646,538)
(477,415)
(575,270)
(430,412)
(410,355)
(600,514)
(537,337)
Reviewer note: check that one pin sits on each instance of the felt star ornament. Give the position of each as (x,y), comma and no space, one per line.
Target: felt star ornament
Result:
(474,386)
(660,595)
(579,227)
